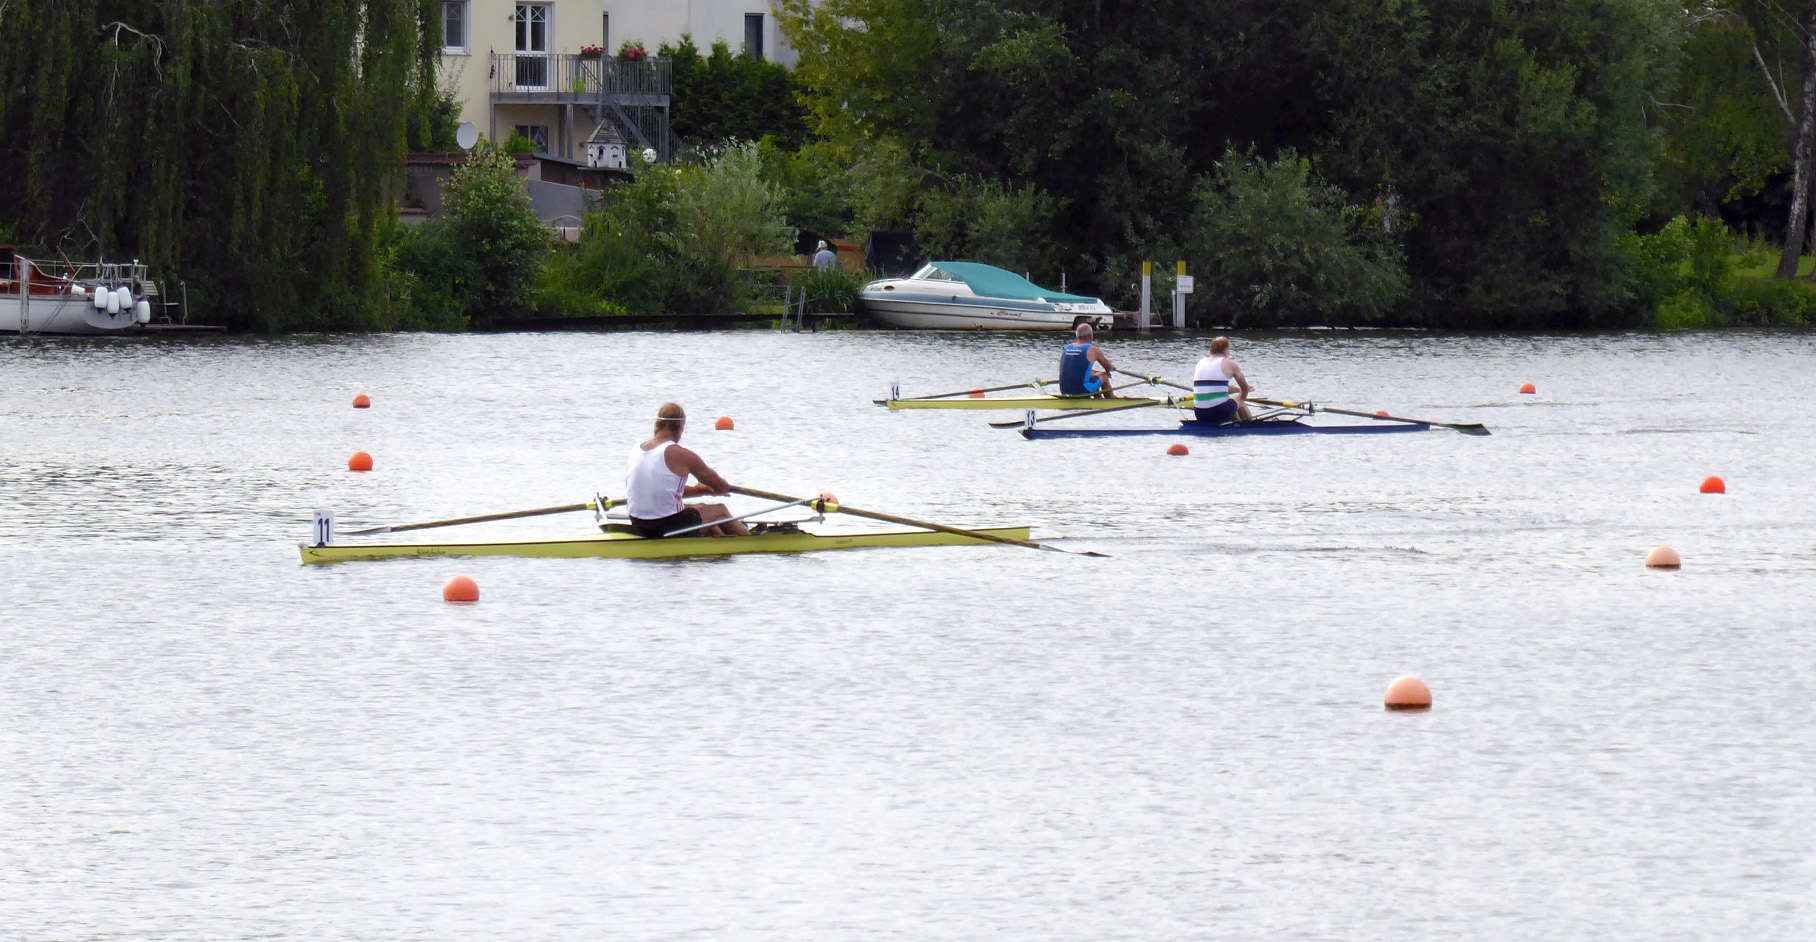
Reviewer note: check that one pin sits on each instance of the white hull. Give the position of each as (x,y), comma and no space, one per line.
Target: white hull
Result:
(931,315)
(61,314)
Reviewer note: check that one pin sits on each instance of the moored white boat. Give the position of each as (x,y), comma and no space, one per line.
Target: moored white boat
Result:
(70,297)
(971,296)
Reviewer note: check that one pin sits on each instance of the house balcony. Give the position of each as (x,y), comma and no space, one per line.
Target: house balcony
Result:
(557,79)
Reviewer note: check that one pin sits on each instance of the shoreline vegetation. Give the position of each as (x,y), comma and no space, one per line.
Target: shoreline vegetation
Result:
(1452,164)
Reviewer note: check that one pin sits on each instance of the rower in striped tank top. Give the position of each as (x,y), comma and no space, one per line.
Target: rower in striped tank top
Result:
(1211,402)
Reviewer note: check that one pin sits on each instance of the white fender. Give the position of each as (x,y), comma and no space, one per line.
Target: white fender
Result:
(143,311)
(101,296)
(78,291)
(125,295)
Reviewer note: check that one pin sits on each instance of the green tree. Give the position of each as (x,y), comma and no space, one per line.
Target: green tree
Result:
(498,243)
(1274,245)
(218,142)
(1517,131)
(675,239)
(726,97)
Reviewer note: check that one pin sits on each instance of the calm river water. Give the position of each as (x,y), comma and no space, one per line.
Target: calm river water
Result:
(201,738)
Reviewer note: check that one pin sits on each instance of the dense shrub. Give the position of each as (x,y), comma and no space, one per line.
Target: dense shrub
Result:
(1274,245)
(1685,276)
(831,290)
(730,97)
(676,239)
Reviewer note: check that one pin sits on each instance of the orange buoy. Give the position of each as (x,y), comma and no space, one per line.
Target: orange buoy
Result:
(1178,449)
(460,589)
(1528,388)
(362,401)
(724,423)
(359,462)
(1381,412)
(1407,693)
(1663,557)
(1714,485)
(977,394)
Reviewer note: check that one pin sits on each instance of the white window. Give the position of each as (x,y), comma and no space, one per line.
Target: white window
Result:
(532,21)
(454,26)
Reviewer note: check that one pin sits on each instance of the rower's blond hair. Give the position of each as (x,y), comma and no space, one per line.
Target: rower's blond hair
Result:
(671,414)
(1220,345)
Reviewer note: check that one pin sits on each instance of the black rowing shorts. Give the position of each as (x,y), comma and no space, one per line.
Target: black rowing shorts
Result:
(669,524)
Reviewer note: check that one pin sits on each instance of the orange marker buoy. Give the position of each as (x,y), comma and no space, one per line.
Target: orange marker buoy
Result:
(1528,388)
(977,394)
(460,589)
(1714,485)
(359,462)
(1407,693)
(1663,557)
(724,423)
(362,401)
(829,497)
(1381,412)
(1178,449)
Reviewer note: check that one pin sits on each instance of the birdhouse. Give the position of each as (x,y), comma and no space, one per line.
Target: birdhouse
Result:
(607,148)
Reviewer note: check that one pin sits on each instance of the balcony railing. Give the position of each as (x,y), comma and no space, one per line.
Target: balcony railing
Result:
(555,77)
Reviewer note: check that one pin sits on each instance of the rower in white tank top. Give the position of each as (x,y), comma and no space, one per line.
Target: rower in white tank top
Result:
(651,489)
(656,486)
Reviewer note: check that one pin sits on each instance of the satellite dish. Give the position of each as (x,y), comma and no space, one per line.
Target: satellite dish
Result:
(466,135)
(649,155)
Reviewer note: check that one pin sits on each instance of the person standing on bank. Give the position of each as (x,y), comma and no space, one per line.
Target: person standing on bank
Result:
(1076,377)
(657,483)
(1211,402)
(825,259)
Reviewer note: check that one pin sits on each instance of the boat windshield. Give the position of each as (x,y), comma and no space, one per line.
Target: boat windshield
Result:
(934,273)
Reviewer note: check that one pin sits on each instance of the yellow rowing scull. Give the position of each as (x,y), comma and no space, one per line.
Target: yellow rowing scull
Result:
(617,544)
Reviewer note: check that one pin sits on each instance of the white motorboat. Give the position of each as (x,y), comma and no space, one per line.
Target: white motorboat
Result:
(970,296)
(71,297)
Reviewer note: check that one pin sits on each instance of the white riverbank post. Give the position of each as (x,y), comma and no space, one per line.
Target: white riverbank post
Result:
(1147,296)
(1182,286)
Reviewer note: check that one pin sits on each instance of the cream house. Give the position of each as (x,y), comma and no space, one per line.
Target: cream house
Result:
(520,66)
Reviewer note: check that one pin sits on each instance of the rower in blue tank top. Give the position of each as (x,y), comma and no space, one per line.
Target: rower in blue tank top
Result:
(1076,378)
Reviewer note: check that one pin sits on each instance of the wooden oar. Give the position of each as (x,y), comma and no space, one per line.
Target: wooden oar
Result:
(1081,413)
(483,518)
(965,392)
(826,506)
(1467,428)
